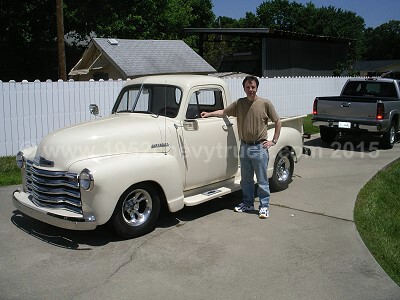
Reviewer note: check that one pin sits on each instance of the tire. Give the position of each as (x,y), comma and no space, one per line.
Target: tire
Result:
(283,171)
(327,134)
(389,138)
(137,211)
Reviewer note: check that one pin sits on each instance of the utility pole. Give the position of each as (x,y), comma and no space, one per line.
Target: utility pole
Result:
(62,69)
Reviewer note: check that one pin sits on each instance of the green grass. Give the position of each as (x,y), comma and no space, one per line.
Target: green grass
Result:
(10,174)
(308,126)
(377,217)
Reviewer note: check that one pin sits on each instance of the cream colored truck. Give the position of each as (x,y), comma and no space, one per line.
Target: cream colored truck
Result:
(154,148)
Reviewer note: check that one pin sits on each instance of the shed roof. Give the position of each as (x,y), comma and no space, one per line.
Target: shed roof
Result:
(143,57)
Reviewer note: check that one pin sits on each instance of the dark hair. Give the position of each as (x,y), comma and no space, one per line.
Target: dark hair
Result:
(250,78)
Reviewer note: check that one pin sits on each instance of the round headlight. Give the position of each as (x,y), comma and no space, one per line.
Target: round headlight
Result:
(86,180)
(20,159)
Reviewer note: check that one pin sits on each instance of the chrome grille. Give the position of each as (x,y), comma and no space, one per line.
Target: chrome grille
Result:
(53,189)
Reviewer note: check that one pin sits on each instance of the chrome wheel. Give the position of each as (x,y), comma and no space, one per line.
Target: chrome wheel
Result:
(392,135)
(137,210)
(388,138)
(283,169)
(137,207)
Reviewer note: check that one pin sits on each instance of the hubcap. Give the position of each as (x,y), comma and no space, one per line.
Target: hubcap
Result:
(137,207)
(283,169)
(392,135)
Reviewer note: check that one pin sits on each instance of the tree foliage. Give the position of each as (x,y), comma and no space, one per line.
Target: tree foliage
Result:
(383,42)
(28,29)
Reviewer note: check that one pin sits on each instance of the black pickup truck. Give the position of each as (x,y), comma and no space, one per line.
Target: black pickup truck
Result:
(370,105)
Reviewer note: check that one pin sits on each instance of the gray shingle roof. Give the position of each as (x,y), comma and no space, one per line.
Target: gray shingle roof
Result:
(143,57)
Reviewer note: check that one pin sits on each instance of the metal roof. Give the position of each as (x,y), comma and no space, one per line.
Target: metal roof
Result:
(372,65)
(263,32)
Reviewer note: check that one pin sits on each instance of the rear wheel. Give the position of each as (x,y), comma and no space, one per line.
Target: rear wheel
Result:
(327,134)
(389,138)
(283,171)
(137,211)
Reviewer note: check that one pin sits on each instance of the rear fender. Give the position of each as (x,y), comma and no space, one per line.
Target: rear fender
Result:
(289,139)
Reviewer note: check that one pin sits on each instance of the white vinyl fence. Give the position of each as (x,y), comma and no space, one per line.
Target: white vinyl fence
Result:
(31,110)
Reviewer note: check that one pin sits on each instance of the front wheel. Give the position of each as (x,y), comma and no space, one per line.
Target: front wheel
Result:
(137,211)
(389,138)
(283,171)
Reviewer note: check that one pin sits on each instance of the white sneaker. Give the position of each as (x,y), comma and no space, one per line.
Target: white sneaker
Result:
(263,213)
(242,207)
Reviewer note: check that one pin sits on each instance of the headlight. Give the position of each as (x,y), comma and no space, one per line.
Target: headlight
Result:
(86,180)
(20,159)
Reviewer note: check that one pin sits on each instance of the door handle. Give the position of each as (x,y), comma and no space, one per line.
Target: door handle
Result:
(345,104)
(225,126)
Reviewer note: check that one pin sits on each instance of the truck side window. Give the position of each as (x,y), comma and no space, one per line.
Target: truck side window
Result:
(208,99)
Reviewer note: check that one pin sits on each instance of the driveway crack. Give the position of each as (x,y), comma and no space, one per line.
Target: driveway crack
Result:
(313,212)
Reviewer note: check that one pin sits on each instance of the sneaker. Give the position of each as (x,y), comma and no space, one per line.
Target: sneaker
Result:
(242,207)
(263,213)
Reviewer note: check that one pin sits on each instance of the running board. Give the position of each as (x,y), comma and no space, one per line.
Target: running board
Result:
(206,196)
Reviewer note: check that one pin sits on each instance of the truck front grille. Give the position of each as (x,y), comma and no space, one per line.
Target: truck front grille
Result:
(53,189)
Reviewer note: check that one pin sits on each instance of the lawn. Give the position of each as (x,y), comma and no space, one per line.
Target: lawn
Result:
(377,217)
(308,126)
(10,174)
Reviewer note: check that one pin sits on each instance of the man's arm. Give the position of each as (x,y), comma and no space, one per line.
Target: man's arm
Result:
(278,126)
(217,113)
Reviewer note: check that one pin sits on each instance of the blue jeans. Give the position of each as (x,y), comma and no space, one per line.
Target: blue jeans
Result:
(254,159)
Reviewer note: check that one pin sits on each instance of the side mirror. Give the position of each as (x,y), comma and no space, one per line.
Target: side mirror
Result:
(94,109)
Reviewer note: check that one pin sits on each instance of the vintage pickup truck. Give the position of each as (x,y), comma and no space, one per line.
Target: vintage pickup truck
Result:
(370,105)
(152,150)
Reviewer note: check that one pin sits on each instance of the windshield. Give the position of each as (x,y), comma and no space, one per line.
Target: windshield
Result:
(149,98)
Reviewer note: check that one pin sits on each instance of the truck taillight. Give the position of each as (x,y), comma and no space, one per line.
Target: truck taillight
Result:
(314,111)
(380,111)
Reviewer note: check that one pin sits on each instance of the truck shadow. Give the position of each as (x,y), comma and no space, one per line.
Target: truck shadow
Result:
(63,238)
(349,142)
(103,235)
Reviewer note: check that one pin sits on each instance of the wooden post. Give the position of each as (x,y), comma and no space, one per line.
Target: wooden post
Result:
(62,69)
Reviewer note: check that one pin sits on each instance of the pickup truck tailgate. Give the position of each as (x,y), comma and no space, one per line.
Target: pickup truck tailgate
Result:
(347,108)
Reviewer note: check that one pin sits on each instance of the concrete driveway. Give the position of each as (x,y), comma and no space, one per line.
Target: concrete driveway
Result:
(308,249)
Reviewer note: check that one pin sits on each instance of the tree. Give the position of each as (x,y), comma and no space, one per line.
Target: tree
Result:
(27,40)
(383,42)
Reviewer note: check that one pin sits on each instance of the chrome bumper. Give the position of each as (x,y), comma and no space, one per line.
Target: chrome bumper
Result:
(378,128)
(68,220)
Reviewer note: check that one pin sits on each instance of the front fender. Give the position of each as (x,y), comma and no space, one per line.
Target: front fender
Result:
(114,174)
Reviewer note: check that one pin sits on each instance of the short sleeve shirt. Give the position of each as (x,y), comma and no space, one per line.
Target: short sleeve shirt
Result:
(252,117)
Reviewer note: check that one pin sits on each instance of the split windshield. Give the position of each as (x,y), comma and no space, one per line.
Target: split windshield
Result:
(149,98)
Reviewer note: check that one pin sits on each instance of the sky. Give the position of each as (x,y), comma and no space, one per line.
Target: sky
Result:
(374,12)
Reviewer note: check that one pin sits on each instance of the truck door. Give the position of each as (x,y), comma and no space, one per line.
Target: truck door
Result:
(210,145)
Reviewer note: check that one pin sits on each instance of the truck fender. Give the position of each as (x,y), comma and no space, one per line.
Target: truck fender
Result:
(113,175)
(290,139)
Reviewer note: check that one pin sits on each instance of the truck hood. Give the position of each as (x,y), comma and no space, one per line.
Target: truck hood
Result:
(113,135)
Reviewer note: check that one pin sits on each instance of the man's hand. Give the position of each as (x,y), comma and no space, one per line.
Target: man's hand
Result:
(268,144)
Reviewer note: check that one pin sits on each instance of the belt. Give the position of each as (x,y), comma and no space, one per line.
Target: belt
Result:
(254,143)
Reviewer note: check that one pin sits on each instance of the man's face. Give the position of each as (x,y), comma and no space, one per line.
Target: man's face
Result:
(250,88)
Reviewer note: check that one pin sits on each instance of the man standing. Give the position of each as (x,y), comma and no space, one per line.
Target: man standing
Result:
(253,113)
